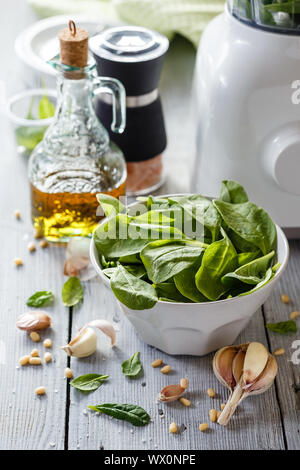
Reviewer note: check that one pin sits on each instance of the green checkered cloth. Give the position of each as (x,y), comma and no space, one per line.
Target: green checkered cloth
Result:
(186,17)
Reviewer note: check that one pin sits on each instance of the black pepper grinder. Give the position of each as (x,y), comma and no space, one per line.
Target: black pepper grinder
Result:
(135,56)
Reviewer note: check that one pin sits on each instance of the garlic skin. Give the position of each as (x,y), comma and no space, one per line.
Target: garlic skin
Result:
(171,393)
(106,327)
(83,345)
(33,321)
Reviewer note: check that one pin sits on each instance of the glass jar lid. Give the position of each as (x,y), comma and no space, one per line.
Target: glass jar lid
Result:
(129,44)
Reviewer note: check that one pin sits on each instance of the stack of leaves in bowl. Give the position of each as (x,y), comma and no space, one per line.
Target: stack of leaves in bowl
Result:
(186,248)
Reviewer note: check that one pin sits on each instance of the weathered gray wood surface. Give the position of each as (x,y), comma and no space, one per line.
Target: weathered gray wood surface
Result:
(60,419)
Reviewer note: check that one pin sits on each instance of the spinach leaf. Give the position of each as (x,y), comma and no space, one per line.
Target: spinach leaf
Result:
(245,258)
(219,258)
(233,192)
(46,108)
(134,414)
(132,367)
(185,283)
(72,292)
(110,204)
(283,327)
(89,382)
(40,298)
(249,222)
(168,292)
(164,259)
(251,273)
(131,291)
(137,271)
(268,277)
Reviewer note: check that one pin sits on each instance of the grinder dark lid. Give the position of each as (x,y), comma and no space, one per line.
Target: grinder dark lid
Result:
(132,54)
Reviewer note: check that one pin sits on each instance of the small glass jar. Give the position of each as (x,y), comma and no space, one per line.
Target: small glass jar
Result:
(76,160)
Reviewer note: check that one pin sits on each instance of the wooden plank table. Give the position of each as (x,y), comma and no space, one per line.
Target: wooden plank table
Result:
(60,419)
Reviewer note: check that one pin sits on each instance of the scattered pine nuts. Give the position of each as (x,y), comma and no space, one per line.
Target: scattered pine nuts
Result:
(31,247)
(44,244)
(184,383)
(35,336)
(203,427)
(35,361)
(223,406)
(68,373)
(165,369)
(285,299)
(37,234)
(18,262)
(279,352)
(294,315)
(211,393)
(47,343)
(24,360)
(213,415)
(185,401)
(157,363)
(219,414)
(40,391)
(173,428)
(34,353)
(17,214)
(48,357)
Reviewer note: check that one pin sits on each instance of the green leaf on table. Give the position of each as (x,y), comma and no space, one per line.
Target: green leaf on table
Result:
(134,414)
(233,192)
(72,292)
(89,382)
(40,299)
(131,291)
(283,327)
(46,108)
(132,367)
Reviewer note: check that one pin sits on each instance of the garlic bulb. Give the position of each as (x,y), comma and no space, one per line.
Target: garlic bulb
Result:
(245,369)
(33,321)
(83,345)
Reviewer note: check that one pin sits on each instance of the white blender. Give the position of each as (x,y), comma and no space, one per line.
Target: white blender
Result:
(247,106)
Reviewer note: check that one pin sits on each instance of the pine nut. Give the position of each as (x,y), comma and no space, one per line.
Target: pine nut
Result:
(18,261)
(47,343)
(184,383)
(24,360)
(294,315)
(35,336)
(203,427)
(173,428)
(48,357)
(35,361)
(68,373)
(40,391)
(17,214)
(34,353)
(165,370)
(213,415)
(211,393)
(44,244)
(31,247)
(279,352)
(223,406)
(285,299)
(37,234)
(219,414)
(157,363)
(185,401)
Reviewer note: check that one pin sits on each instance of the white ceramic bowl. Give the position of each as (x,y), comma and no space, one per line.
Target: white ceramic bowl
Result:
(198,328)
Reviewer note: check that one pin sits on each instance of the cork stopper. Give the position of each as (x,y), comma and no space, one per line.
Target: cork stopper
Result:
(74,46)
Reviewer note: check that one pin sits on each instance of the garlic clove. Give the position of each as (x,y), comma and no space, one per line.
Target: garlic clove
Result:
(106,327)
(238,365)
(266,379)
(222,365)
(78,259)
(33,321)
(255,361)
(171,393)
(83,345)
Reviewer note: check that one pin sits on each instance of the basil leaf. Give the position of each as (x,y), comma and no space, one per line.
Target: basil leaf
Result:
(40,298)
(133,366)
(134,414)
(233,192)
(283,327)
(46,108)
(131,291)
(72,292)
(89,382)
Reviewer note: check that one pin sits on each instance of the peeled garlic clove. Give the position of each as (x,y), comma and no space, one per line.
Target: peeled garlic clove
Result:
(106,327)
(266,379)
(33,321)
(171,393)
(83,345)
(255,361)
(222,366)
(238,365)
